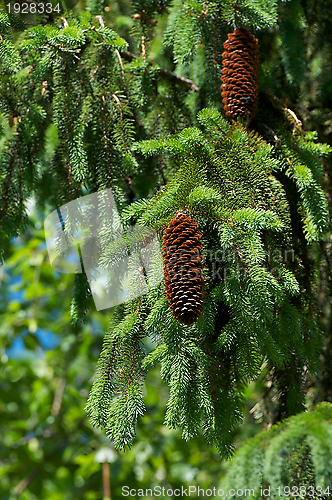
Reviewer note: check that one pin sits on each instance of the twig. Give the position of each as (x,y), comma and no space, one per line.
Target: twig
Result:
(297,121)
(256,406)
(105,140)
(275,137)
(119,103)
(185,82)
(57,401)
(122,71)
(278,142)
(25,481)
(65,22)
(106,481)
(121,118)
(35,471)
(143,47)
(58,396)
(101,21)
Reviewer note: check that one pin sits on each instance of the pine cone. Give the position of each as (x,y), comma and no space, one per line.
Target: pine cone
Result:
(240,74)
(183,269)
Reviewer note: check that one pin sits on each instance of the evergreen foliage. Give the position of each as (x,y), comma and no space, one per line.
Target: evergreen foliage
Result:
(81,113)
(292,457)
(241,204)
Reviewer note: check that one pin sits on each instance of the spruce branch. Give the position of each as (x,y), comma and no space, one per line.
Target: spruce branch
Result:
(105,140)
(218,172)
(7,181)
(185,82)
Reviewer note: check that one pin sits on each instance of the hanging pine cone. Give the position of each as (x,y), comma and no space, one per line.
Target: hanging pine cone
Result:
(240,74)
(183,269)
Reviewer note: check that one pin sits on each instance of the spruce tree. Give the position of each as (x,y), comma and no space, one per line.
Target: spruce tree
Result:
(191,118)
(292,459)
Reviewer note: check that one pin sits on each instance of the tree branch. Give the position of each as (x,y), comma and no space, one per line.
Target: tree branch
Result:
(165,73)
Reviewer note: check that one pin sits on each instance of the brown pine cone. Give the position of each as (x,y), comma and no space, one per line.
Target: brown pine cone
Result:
(240,74)
(183,268)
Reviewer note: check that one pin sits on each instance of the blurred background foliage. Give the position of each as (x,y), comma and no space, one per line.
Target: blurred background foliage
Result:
(48,449)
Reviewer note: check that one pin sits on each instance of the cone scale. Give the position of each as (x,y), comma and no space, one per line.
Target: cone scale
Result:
(183,268)
(240,74)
